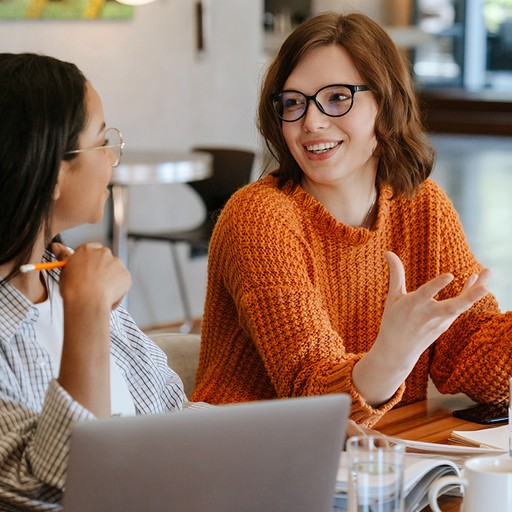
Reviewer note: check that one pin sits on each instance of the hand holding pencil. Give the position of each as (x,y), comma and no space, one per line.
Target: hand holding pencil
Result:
(92,275)
(62,254)
(94,271)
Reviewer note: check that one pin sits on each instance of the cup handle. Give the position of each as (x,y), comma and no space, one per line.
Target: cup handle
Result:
(433,492)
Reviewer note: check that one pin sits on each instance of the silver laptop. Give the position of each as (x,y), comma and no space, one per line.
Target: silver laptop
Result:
(269,456)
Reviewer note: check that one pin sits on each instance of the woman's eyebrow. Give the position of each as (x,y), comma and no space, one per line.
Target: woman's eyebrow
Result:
(102,128)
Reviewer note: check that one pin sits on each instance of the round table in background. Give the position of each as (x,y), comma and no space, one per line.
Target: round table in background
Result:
(150,168)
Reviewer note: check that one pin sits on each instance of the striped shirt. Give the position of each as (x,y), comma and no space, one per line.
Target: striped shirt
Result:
(36,413)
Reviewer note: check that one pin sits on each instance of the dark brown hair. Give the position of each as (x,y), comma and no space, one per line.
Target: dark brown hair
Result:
(405,154)
(42,112)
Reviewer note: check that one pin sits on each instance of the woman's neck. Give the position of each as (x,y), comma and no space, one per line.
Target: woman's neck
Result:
(31,284)
(354,206)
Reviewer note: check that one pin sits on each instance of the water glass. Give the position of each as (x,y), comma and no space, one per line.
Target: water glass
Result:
(376,474)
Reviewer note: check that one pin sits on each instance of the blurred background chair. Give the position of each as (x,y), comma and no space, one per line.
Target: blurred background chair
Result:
(182,352)
(232,169)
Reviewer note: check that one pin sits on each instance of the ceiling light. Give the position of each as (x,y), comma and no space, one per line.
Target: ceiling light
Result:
(134,2)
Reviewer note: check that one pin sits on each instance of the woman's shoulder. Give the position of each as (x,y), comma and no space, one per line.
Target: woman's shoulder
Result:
(430,188)
(428,193)
(261,207)
(262,196)
(430,203)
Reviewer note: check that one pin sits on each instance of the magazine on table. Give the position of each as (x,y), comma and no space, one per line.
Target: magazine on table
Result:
(496,437)
(424,464)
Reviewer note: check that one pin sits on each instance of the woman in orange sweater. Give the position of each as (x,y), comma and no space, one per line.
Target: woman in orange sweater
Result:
(346,269)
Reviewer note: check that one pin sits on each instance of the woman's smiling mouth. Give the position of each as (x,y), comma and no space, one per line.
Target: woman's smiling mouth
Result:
(322,147)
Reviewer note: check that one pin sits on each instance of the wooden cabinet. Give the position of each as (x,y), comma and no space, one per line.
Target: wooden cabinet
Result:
(459,111)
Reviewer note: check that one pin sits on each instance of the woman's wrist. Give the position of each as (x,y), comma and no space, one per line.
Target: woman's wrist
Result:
(378,375)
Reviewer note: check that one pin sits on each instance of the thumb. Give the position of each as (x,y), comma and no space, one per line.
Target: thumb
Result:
(60,251)
(396,275)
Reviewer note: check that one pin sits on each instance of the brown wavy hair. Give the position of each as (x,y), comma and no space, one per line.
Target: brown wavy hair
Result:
(405,154)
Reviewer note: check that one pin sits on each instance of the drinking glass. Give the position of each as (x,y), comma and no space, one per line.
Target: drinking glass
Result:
(376,474)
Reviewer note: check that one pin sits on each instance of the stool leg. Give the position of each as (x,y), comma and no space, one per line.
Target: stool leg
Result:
(186,326)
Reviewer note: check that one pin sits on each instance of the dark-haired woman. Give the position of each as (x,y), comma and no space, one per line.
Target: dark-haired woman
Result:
(346,269)
(68,352)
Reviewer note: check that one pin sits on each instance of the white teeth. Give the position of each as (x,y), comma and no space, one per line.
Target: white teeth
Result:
(322,147)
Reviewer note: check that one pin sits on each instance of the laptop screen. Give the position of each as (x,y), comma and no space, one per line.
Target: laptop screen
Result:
(278,455)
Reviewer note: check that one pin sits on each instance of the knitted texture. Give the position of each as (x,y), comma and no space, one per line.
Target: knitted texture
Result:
(295,299)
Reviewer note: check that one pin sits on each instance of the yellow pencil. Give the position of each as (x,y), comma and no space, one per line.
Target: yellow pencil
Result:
(29,267)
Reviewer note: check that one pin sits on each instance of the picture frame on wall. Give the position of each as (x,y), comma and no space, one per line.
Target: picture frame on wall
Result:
(64,10)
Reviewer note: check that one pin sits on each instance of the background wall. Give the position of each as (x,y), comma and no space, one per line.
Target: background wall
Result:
(161,93)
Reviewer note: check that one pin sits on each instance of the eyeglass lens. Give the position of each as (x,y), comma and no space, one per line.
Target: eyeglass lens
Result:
(333,100)
(114,141)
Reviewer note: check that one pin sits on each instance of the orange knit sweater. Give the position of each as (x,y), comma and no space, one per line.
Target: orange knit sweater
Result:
(295,299)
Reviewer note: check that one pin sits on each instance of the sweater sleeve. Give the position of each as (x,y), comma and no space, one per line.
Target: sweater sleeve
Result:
(34,448)
(271,270)
(475,355)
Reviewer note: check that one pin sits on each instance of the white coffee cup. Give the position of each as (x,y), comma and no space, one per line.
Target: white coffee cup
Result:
(486,482)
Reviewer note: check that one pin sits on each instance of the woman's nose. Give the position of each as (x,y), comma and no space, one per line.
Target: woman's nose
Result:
(314,119)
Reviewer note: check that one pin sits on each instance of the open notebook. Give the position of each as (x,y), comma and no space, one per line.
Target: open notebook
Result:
(420,471)
(279,456)
(424,464)
(495,438)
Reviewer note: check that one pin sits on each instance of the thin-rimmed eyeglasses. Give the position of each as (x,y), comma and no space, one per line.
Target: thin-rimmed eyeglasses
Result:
(113,141)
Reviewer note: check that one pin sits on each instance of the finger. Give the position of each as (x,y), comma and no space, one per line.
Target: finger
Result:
(382,441)
(94,245)
(353,429)
(476,288)
(485,275)
(478,279)
(60,251)
(473,290)
(457,305)
(471,280)
(396,274)
(431,288)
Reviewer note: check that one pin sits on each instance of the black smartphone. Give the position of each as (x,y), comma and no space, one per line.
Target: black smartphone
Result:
(484,413)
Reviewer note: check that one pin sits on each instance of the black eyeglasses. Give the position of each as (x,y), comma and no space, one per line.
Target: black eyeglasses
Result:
(333,100)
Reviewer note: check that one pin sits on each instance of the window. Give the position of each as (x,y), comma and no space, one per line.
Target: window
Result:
(470,44)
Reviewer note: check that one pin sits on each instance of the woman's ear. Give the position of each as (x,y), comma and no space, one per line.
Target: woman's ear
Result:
(56,192)
(64,166)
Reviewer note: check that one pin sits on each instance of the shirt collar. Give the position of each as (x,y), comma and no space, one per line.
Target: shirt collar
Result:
(15,308)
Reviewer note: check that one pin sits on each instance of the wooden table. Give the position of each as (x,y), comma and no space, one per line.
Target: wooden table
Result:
(431,421)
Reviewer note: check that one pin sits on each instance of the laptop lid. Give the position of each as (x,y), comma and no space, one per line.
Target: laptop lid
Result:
(278,455)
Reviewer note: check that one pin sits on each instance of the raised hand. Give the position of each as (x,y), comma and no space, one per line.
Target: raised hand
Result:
(411,322)
(93,282)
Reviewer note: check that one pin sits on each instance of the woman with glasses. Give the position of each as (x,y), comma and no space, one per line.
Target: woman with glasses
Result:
(346,269)
(68,352)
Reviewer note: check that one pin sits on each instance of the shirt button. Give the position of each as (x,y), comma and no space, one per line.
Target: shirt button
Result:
(40,361)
